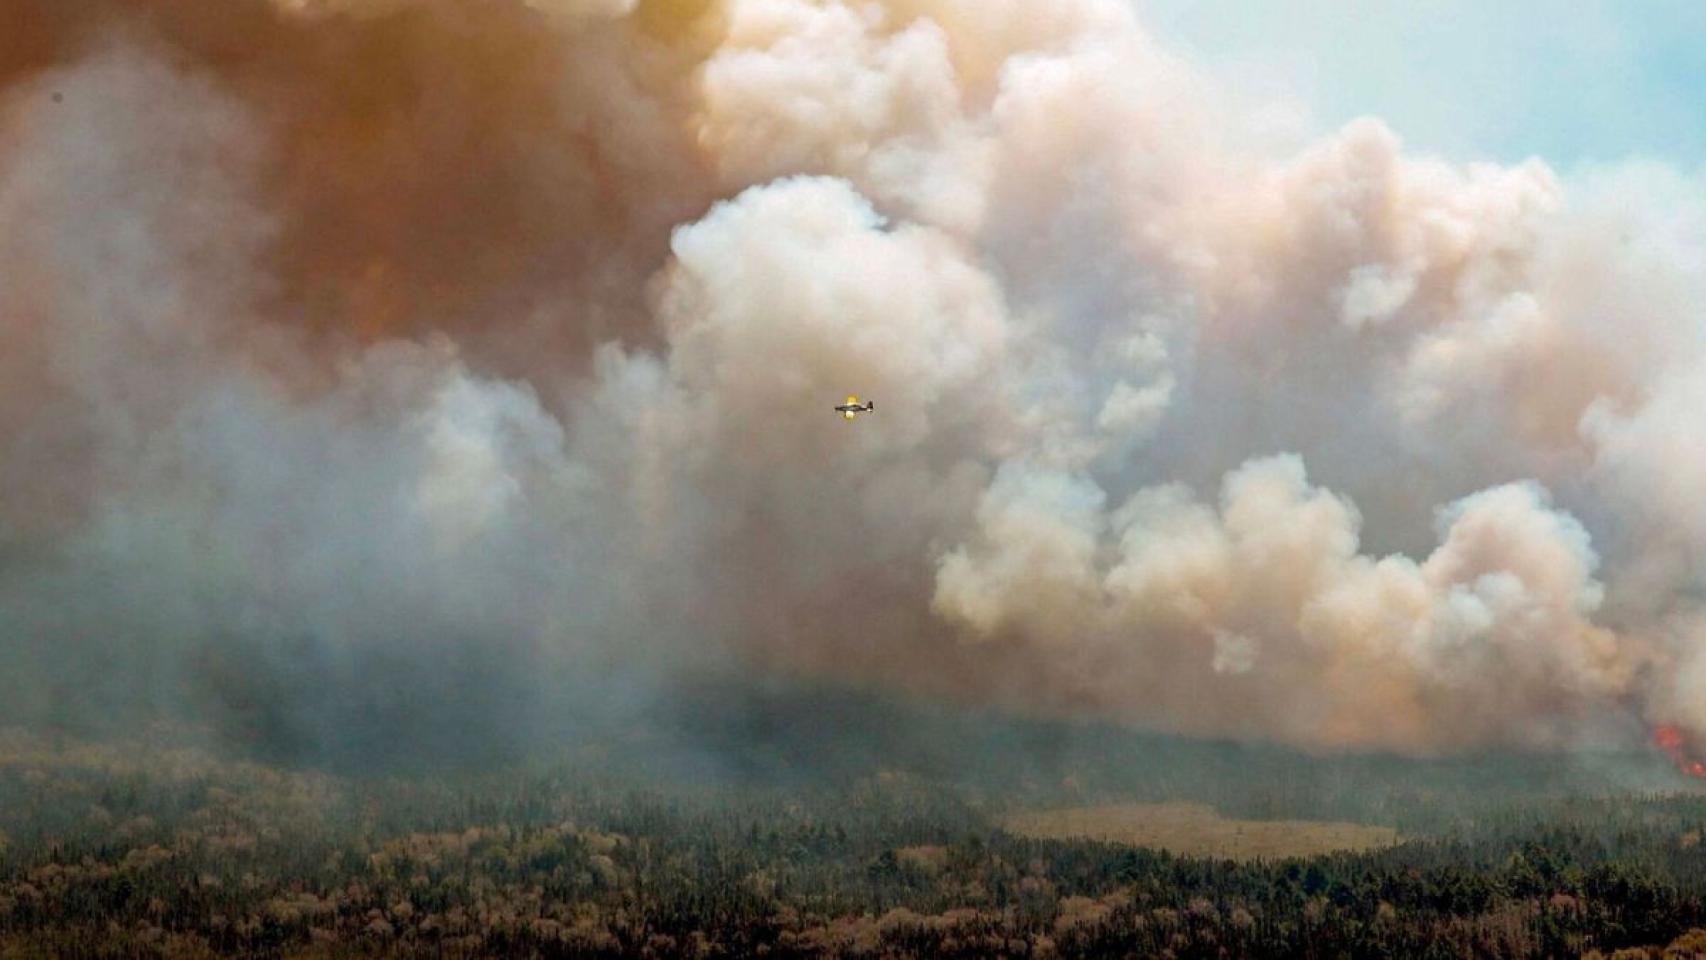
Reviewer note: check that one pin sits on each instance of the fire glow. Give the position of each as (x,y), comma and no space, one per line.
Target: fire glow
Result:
(1670,739)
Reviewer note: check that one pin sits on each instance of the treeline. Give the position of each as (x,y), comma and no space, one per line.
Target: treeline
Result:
(123,853)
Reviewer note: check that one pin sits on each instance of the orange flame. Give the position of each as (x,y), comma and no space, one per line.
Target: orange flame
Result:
(1672,741)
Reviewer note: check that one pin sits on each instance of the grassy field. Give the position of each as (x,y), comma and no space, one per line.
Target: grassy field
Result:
(1196,830)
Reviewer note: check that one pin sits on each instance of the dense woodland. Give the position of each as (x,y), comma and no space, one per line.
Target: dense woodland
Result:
(149,851)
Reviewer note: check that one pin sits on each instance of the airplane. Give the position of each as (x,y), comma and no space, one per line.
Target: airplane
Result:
(852,408)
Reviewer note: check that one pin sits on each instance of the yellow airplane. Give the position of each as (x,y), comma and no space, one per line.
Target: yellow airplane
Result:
(852,408)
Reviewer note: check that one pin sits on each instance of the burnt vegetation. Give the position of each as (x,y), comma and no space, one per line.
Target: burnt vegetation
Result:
(139,850)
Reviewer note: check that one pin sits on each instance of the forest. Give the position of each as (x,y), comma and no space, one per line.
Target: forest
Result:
(148,849)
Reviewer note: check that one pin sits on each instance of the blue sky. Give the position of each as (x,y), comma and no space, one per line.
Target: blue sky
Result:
(1572,81)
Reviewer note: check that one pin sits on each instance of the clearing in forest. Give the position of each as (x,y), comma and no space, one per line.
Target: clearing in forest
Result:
(1195,830)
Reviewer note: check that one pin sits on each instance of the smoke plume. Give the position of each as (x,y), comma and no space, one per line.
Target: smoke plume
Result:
(435,370)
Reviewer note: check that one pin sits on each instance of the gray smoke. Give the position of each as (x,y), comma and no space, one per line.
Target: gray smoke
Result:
(429,370)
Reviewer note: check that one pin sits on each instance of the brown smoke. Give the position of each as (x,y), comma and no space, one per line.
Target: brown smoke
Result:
(480,353)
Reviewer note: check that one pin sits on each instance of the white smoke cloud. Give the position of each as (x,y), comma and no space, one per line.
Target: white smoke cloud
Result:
(267,402)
